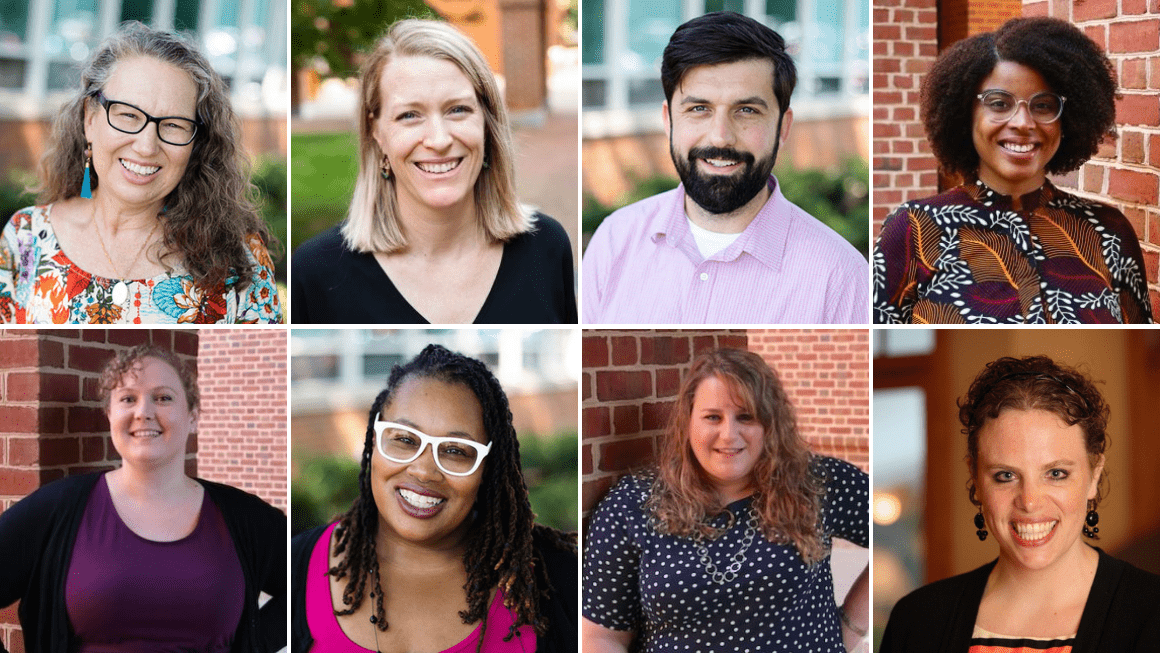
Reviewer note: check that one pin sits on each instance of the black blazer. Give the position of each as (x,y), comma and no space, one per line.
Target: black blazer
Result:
(560,606)
(1122,614)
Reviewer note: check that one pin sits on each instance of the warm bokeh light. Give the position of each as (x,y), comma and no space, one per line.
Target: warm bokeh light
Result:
(887,508)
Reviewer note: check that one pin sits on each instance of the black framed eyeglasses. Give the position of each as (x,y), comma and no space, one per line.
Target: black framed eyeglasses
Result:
(1001,106)
(126,118)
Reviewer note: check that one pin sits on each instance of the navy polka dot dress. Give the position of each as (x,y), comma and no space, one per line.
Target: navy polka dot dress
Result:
(656,585)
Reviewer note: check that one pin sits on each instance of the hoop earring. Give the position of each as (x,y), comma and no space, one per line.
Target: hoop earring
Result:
(385,170)
(1089,522)
(87,185)
(980,524)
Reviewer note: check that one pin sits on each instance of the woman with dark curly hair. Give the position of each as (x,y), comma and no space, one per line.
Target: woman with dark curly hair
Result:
(144,213)
(726,544)
(1002,110)
(440,550)
(1035,451)
(143,557)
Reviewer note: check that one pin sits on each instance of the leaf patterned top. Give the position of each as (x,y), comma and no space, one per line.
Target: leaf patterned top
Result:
(39,284)
(967,257)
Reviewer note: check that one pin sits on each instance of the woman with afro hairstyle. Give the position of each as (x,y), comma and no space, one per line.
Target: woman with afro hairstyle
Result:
(439,551)
(1002,110)
(1036,437)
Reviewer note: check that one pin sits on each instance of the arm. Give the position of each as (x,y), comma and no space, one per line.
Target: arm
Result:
(891,270)
(598,639)
(272,616)
(259,302)
(857,610)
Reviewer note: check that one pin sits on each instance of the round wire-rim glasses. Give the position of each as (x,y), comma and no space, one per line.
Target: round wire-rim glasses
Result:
(480,450)
(1001,106)
(175,130)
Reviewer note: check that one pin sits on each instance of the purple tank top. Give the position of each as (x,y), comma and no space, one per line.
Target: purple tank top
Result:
(125,593)
(329,636)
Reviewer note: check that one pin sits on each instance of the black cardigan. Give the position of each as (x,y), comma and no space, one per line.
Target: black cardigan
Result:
(36,541)
(560,607)
(1122,614)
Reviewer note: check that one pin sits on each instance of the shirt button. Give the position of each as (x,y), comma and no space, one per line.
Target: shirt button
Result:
(704,276)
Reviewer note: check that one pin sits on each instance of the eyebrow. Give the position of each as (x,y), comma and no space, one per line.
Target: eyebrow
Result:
(1062,462)
(453,434)
(754,100)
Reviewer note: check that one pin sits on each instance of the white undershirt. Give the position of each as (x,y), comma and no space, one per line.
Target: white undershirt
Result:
(710,242)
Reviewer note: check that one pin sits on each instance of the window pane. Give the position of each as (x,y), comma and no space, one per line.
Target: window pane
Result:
(725,5)
(646,91)
(651,23)
(827,47)
(13,20)
(141,10)
(12,73)
(72,33)
(593,25)
(185,15)
(594,92)
(782,11)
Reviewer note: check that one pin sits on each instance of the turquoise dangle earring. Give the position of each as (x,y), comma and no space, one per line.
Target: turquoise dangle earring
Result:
(87,184)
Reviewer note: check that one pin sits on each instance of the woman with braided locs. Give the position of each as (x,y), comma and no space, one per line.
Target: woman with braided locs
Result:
(1036,437)
(439,551)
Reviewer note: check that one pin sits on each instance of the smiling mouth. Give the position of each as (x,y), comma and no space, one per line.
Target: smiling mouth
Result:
(420,501)
(144,171)
(1018,148)
(1032,534)
(439,168)
(729,452)
(148,433)
(721,163)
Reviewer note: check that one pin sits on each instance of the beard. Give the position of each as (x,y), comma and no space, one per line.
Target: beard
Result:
(720,194)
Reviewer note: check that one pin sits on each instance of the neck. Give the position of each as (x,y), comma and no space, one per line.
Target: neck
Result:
(727,223)
(432,232)
(165,481)
(115,216)
(1015,189)
(1048,585)
(419,557)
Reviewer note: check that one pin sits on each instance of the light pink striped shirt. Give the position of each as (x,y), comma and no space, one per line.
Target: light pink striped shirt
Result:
(642,266)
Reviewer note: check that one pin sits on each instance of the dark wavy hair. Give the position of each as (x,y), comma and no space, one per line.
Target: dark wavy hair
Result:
(1034,382)
(723,37)
(1071,64)
(499,548)
(127,360)
(210,214)
(789,490)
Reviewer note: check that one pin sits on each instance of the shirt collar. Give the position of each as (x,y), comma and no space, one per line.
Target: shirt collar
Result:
(1030,201)
(764,238)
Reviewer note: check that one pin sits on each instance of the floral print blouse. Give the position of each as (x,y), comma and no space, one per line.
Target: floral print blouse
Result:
(39,284)
(967,257)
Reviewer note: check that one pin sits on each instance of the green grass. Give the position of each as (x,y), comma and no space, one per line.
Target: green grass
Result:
(322,175)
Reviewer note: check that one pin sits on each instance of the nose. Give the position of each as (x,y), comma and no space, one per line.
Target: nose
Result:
(721,131)
(144,409)
(1029,494)
(147,142)
(1022,117)
(438,137)
(424,467)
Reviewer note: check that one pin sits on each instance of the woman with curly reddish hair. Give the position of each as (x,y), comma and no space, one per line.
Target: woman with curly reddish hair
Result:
(1003,110)
(728,539)
(1036,437)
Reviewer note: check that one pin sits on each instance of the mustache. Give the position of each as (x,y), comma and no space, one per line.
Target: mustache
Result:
(721,153)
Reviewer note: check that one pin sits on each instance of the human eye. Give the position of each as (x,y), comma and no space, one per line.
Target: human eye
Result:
(163,398)
(456,449)
(407,115)
(1003,477)
(402,437)
(745,417)
(1058,474)
(126,399)
(998,101)
(462,109)
(749,111)
(712,417)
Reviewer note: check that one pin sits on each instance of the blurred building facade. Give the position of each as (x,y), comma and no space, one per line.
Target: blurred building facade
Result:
(623,41)
(43,43)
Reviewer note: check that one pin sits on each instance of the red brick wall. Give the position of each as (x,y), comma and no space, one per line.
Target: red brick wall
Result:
(52,423)
(1124,172)
(905,46)
(631,379)
(826,373)
(242,431)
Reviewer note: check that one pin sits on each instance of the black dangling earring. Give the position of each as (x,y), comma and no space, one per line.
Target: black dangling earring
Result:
(980,524)
(1093,518)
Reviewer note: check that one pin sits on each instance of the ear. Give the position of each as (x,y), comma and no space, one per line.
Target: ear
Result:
(376,133)
(666,120)
(91,115)
(786,121)
(1096,474)
(194,416)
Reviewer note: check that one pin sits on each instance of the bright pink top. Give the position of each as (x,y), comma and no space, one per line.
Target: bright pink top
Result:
(642,266)
(328,635)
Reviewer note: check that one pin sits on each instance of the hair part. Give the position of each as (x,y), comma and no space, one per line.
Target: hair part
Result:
(499,548)
(1072,65)
(1034,383)
(373,222)
(128,361)
(210,214)
(723,37)
(789,491)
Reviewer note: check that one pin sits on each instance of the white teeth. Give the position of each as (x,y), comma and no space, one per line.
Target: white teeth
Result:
(720,163)
(146,434)
(438,167)
(1019,148)
(1033,532)
(140,170)
(419,500)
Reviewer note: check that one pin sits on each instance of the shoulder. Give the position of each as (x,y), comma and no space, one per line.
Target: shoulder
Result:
(302,544)
(812,239)
(1103,216)
(320,251)
(941,598)
(838,471)
(1131,580)
(238,502)
(65,493)
(628,496)
(26,218)
(547,237)
(628,225)
(557,549)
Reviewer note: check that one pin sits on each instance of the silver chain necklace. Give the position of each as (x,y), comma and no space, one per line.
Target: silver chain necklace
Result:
(736,560)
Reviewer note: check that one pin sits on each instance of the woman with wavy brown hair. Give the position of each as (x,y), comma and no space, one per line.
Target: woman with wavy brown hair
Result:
(144,212)
(726,543)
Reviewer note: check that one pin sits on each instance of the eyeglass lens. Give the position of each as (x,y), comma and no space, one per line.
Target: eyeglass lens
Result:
(403,446)
(1044,107)
(131,120)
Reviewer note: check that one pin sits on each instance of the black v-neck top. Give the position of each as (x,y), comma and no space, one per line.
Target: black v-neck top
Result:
(330,284)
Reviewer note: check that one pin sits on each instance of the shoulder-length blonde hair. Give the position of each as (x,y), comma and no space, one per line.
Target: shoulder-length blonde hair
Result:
(210,213)
(372,224)
(789,491)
